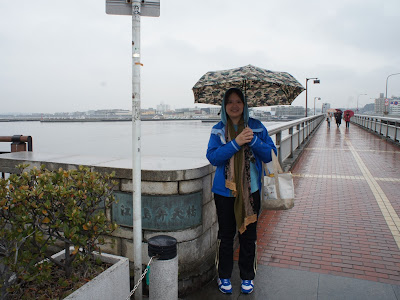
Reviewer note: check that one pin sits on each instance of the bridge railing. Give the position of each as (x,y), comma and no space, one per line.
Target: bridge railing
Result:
(291,135)
(382,126)
(18,143)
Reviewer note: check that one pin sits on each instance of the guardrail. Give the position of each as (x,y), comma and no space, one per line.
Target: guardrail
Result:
(382,126)
(292,135)
(18,143)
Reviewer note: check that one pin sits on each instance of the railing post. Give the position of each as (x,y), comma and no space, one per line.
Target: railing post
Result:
(298,135)
(30,143)
(278,145)
(387,128)
(17,145)
(291,141)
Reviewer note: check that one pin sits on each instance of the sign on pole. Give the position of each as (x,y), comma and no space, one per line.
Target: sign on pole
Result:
(386,102)
(148,8)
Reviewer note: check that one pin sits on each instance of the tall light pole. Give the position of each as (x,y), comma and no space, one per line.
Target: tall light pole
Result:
(319,98)
(386,112)
(316,81)
(358,98)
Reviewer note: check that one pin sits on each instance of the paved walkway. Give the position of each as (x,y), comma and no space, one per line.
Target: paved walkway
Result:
(342,238)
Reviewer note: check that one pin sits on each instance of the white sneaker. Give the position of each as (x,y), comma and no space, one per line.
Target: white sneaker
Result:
(225,285)
(247,286)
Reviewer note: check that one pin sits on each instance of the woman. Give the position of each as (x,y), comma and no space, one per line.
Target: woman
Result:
(237,147)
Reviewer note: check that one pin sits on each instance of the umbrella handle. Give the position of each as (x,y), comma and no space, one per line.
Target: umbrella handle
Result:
(245,89)
(245,96)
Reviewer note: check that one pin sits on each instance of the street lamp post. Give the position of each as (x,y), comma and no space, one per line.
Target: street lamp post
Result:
(386,112)
(316,81)
(319,98)
(358,98)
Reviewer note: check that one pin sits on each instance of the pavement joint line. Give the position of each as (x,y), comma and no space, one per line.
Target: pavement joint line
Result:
(388,212)
(347,149)
(332,176)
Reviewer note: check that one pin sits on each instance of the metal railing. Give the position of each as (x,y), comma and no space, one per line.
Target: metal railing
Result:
(18,143)
(291,135)
(382,126)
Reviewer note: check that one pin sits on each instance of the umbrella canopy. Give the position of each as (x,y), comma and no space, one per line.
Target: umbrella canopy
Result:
(349,112)
(261,87)
(339,111)
(331,110)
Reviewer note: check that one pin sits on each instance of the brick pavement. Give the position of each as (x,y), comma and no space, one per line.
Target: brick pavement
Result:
(346,210)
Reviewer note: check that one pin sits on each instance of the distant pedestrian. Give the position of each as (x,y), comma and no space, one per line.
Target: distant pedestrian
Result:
(347,119)
(328,121)
(338,118)
(237,147)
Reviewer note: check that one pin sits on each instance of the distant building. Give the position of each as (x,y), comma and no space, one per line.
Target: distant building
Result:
(325,107)
(162,108)
(149,113)
(380,104)
(104,113)
(187,113)
(394,106)
(214,110)
(287,110)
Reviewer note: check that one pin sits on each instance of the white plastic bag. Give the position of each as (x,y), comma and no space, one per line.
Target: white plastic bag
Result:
(278,188)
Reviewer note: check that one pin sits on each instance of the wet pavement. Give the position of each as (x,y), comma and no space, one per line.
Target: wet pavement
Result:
(342,238)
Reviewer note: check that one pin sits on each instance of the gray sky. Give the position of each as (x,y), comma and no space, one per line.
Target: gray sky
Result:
(72,56)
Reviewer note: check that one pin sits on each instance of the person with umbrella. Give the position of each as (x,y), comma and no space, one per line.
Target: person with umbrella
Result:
(347,115)
(346,118)
(237,146)
(338,117)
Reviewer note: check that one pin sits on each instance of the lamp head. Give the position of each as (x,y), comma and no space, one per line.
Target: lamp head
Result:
(316,81)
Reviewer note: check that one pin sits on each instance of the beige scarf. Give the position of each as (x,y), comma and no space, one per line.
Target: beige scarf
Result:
(237,174)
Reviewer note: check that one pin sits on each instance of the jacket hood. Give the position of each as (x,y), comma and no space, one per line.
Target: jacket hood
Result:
(224,116)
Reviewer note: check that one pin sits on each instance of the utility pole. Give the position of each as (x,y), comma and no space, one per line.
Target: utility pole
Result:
(136,8)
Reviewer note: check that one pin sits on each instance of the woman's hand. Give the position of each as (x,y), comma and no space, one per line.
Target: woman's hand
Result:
(244,137)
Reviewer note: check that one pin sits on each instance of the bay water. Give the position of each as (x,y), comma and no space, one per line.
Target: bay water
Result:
(187,139)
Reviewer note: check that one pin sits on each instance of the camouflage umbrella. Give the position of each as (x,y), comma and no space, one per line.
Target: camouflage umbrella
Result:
(261,87)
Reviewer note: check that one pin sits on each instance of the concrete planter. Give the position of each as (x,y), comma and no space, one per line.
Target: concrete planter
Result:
(113,283)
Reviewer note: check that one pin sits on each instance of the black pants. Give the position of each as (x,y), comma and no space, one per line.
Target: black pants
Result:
(226,234)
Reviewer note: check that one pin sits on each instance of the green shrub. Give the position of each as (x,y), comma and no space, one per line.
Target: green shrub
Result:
(41,208)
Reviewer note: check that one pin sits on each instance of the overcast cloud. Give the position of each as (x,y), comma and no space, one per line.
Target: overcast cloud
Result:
(71,56)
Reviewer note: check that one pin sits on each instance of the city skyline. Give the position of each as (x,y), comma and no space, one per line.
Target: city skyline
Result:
(318,107)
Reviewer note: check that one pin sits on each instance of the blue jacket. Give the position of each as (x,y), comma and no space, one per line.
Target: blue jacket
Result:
(219,152)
